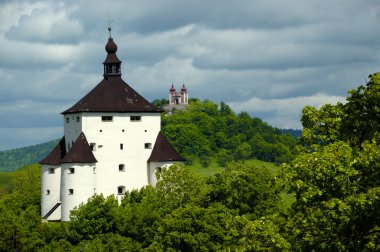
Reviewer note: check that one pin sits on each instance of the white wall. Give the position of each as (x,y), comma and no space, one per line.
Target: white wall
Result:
(82,182)
(108,136)
(51,182)
(72,129)
(154,167)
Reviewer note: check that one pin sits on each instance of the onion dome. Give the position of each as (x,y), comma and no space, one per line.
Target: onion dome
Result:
(111,47)
(183,89)
(172,89)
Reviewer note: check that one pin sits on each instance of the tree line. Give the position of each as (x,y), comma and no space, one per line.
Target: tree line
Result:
(207,130)
(334,177)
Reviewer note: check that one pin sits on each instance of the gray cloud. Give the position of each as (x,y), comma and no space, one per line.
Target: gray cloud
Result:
(267,57)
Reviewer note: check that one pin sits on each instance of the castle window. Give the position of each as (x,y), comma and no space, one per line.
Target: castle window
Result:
(121,190)
(48,192)
(121,146)
(71,170)
(107,118)
(121,168)
(148,146)
(51,170)
(93,146)
(135,118)
(78,119)
(67,119)
(71,191)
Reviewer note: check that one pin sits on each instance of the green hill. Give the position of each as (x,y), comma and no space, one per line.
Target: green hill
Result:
(11,160)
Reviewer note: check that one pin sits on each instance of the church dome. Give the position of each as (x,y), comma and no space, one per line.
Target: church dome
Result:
(111,47)
(183,89)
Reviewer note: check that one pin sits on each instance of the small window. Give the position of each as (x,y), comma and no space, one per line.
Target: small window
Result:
(121,168)
(67,119)
(93,146)
(71,170)
(48,192)
(158,169)
(94,170)
(71,191)
(100,146)
(78,119)
(135,118)
(121,190)
(121,146)
(51,170)
(107,118)
(148,146)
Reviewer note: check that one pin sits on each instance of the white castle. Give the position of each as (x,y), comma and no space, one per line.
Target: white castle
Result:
(112,143)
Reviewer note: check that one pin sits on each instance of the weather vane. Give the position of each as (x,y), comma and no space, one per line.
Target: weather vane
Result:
(109,26)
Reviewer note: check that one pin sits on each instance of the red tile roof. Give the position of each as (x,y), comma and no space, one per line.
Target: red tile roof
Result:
(56,155)
(80,152)
(164,151)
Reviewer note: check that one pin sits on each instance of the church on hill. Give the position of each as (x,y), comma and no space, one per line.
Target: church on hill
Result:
(112,143)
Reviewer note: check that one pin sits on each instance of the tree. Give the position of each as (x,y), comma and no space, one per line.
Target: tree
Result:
(246,188)
(95,217)
(335,175)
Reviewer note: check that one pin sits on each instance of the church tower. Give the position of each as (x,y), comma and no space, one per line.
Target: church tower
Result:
(112,143)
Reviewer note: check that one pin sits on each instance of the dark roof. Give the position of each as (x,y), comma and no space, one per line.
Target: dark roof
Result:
(164,151)
(112,94)
(80,152)
(56,155)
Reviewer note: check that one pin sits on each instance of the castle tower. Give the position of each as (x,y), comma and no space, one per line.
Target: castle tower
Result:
(112,143)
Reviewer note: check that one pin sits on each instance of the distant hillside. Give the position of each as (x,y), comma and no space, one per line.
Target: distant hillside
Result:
(11,160)
(294,133)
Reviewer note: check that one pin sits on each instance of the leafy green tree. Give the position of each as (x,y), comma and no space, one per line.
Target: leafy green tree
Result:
(194,228)
(335,176)
(95,217)
(246,188)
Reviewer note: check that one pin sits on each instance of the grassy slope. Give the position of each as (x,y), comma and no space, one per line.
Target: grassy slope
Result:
(215,168)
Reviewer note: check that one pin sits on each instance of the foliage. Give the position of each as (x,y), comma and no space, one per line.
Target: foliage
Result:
(11,160)
(336,175)
(246,188)
(206,129)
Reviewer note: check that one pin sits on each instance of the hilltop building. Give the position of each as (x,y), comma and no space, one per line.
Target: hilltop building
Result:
(112,143)
(177,100)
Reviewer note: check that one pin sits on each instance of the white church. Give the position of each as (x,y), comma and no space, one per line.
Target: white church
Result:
(112,143)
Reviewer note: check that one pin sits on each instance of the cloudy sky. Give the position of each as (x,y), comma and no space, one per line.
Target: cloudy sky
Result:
(267,57)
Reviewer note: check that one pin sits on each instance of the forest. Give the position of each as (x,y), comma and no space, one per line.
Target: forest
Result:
(333,174)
